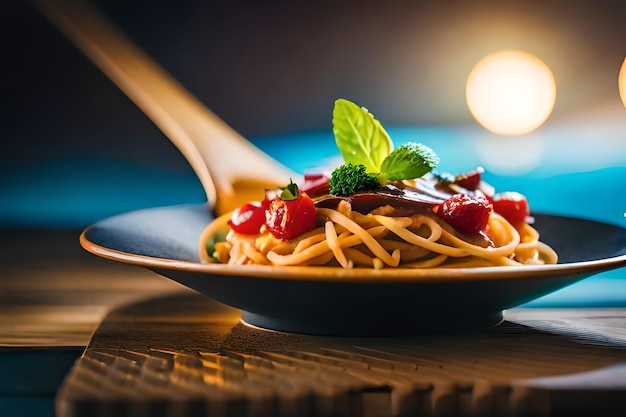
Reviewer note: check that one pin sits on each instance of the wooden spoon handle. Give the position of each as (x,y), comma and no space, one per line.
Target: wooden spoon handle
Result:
(228,165)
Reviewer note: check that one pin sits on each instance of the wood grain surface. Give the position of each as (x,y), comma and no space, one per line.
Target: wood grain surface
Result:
(54,294)
(184,354)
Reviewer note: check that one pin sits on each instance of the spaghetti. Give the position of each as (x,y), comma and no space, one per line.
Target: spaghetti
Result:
(383,238)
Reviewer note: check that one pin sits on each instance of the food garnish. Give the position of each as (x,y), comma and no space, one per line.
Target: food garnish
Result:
(361,138)
(290,214)
(470,180)
(513,206)
(370,160)
(248,218)
(464,213)
(352,178)
(315,183)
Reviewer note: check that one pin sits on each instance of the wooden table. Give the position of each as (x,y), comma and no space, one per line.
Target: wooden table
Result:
(53,296)
(99,338)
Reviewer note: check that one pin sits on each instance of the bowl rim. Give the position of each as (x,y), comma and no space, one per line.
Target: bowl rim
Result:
(338,274)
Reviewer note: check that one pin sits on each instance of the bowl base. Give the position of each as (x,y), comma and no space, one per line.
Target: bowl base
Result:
(365,328)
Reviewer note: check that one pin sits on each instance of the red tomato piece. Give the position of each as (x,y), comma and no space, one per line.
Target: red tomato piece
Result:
(315,184)
(312,176)
(464,213)
(248,218)
(470,180)
(288,219)
(513,206)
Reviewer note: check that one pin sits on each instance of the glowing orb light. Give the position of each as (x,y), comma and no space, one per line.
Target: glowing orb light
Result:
(621,82)
(511,92)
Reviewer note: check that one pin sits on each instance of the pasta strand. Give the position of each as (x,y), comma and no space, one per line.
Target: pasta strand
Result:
(379,240)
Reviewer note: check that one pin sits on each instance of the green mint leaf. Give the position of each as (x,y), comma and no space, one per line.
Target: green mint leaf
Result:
(361,138)
(409,161)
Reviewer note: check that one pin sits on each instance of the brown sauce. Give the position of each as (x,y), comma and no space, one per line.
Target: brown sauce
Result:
(408,200)
(419,199)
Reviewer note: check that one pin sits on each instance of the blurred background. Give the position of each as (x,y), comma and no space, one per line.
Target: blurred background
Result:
(77,150)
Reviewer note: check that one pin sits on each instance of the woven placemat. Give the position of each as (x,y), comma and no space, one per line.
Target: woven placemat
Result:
(186,355)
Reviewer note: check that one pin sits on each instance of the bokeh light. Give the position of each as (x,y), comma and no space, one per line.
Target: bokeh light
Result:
(621,82)
(511,92)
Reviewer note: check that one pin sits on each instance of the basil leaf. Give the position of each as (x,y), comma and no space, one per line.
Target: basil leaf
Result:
(361,138)
(409,161)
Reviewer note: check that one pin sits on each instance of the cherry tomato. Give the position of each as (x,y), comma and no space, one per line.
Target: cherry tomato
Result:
(248,218)
(464,213)
(313,176)
(315,184)
(287,219)
(470,180)
(511,205)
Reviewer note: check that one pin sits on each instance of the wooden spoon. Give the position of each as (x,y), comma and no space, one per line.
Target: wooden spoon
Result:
(230,168)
